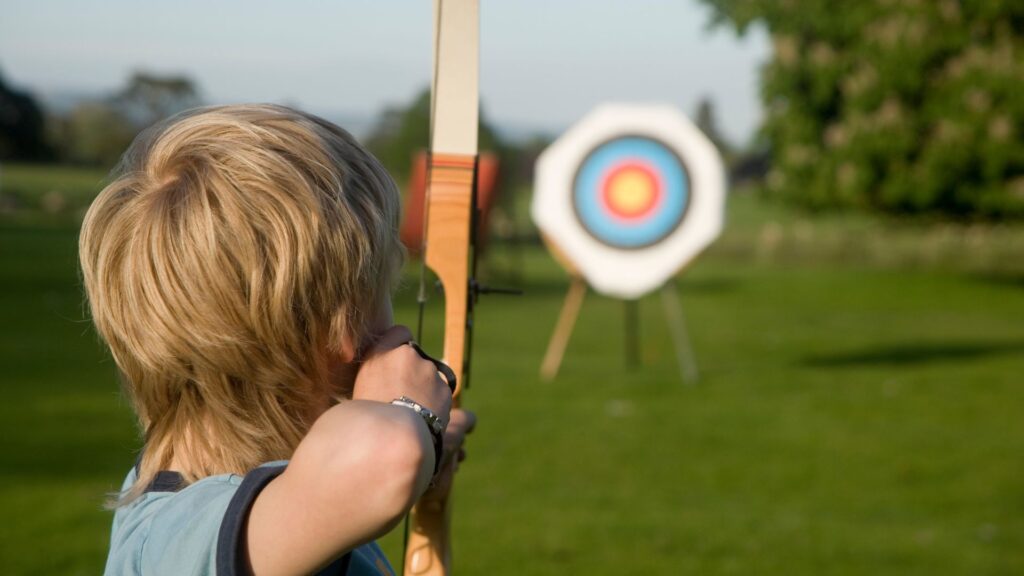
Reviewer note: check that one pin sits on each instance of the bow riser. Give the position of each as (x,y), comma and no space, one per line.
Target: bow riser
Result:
(450,197)
(447,247)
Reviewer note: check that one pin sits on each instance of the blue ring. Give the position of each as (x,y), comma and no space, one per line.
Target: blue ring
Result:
(587,201)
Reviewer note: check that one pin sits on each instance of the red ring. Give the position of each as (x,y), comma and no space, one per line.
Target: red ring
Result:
(648,170)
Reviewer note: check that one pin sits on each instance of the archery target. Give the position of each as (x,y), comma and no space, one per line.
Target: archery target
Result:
(631,192)
(628,196)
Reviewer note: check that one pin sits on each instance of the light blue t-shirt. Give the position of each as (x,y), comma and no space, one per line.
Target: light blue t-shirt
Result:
(195,530)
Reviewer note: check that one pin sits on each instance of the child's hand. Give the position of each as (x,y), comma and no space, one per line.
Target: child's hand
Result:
(392,369)
(462,423)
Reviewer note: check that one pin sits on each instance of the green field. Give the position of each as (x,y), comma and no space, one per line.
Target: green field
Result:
(859,410)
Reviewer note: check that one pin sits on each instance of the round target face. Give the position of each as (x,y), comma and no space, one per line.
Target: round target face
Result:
(631,192)
(628,196)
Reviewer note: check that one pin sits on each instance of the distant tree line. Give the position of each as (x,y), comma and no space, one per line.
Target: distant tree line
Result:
(96,132)
(904,106)
(93,132)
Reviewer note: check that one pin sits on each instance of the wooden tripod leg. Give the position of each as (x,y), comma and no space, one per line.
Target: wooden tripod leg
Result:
(566,322)
(677,327)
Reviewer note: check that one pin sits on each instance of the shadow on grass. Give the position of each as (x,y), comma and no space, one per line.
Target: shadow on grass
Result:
(1009,280)
(916,353)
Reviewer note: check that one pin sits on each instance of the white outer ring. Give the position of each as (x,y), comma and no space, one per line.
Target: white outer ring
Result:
(630,273)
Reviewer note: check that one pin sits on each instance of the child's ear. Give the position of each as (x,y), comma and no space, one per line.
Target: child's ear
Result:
(342,366)
(349,352)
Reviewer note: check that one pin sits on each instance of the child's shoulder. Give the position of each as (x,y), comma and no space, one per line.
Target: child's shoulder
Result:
(197,529)
(193,529)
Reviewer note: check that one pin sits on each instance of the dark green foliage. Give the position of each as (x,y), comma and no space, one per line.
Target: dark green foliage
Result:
(93,133)
(399,133)
(902,106)
(22,126)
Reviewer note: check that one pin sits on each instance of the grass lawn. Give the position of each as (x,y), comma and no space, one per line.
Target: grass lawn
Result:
(856,414)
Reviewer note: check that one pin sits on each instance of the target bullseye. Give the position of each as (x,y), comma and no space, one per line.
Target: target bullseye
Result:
(631,192)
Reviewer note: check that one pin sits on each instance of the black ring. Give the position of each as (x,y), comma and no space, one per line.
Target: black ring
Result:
(444,369)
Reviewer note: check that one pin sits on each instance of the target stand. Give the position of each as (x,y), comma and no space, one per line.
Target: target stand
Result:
(624,200)
(674,317)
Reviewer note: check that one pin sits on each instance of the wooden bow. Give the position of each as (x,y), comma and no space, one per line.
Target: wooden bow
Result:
(449,233)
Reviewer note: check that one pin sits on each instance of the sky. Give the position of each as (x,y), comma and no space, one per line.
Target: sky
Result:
(544,63)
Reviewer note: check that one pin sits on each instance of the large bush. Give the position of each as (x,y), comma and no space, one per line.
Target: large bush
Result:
(22,129)
(906,106)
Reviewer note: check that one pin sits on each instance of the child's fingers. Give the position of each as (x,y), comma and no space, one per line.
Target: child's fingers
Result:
(464,421)
(460,424)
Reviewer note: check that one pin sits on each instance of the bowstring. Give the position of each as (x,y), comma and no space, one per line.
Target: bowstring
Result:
(471,294)
(421,294)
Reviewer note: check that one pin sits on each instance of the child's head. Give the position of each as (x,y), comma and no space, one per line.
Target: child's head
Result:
(236,249)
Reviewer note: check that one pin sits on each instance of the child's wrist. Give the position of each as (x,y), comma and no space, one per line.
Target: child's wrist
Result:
(435,425)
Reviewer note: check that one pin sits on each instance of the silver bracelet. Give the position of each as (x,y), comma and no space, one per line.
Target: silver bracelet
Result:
(434,424)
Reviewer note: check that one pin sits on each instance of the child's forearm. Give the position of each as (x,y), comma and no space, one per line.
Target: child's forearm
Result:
(352,479)
(390,446)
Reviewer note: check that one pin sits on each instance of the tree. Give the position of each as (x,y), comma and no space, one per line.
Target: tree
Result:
(707,121)
(22,126)
(95,133)
(98,132)
(900,106)
(149,98)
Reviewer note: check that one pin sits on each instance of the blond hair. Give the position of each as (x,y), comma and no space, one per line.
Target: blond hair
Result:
(235,247)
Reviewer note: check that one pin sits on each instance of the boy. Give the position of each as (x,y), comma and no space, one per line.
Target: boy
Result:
(240,269)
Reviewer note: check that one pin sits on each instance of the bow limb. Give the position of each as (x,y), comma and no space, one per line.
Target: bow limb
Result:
(448,232)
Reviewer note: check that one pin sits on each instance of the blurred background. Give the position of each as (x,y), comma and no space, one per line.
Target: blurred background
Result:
(859,325)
